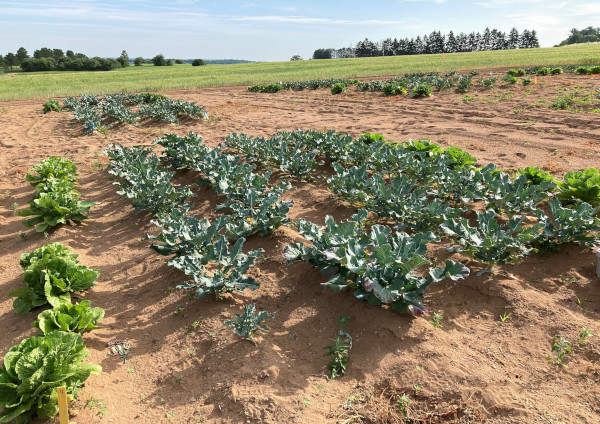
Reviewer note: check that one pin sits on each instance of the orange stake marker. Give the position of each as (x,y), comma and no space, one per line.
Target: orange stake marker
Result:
(63,407)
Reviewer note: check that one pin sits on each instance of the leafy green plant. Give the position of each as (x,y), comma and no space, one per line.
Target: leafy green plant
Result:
(338,88)
(580,186)
(247,324)
(583,70)
(526,81)
(33,369)
(404,404)
(51,274)
(491,242)
(393,89)
(369,138)
(340,354)
(516,72)
(267,88)
(535,175)
(509,79)
(563,102)
(421,90)
(562,348)
(437,320)
(464,83)
(51,106)
(543,71)
(77,318)
(556,71)
(379,266)
(56,202)
(53,167)
(584,333)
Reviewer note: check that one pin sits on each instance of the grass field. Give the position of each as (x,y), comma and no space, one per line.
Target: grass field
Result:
(149,78)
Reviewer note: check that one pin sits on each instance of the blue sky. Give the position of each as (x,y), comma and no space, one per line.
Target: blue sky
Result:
(267,29)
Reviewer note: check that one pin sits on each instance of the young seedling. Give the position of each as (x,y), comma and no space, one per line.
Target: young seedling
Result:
(437,320)
(584,333)
(247,324)
(504,317)
(561,347)
(404,404)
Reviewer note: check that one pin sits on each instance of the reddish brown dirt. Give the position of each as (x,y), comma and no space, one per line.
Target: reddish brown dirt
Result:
(182,372)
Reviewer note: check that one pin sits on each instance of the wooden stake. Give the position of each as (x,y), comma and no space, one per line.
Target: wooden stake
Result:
(63,407)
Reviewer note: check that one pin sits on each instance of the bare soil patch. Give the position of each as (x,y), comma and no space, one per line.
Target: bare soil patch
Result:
(186,366)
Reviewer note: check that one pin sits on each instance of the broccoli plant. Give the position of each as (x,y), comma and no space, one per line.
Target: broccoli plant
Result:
(227,269)
(247,324)
(491,242)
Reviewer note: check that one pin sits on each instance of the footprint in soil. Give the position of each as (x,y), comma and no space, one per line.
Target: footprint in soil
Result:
(521,155)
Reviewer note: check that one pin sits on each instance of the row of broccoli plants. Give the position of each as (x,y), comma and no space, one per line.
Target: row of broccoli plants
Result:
(32,370)
(56,201)
(422,84)
(98,112)
(199,248)
(421,187)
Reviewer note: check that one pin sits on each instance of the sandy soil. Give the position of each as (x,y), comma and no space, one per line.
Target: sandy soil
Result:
(186,366)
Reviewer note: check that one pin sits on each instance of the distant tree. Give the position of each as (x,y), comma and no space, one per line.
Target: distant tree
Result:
(451,43)
(296,57)
(513,39)
(57,54)
(80,56)
(534,43)
(123,59)
(43,52)
(179,61)
(21,55)
(10,60)
(1,61)
(70,54)
(578,36)
(323,54)
(170,62)
(159,60)
(198,62)
(138,61)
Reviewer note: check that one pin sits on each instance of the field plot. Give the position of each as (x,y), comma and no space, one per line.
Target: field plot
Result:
(479,356)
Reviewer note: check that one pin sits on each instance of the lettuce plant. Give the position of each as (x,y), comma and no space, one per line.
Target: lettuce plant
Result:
(51,274)
(56,202)
(33,369)
(77,318)
(580,186)
(53,167)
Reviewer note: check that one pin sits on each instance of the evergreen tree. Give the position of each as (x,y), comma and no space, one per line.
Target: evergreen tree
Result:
(123,59)
(534,43)
(525,39)
(513,39)
(451,43)
(10,60)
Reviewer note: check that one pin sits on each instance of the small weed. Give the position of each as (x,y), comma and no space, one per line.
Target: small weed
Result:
(437,320)
(306,402)
(340,354)
(561,347)
(417,388)
(170,290)
(178,310)
(212,335)
(504,317)
(179,378)
(516,111)
(170,415)
(93,403)
(190,352)
(343,321)
(14,207)
(584,333)
(404,404)
(193,326)
(130,370)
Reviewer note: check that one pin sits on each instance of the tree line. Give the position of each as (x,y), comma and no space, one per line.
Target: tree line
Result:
(436,42)
(46,59)
(578,36)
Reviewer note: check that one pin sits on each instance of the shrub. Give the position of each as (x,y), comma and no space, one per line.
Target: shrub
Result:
(33,369)
(159,60)
(138,61)
(422,90)
(338,88)
(198,62)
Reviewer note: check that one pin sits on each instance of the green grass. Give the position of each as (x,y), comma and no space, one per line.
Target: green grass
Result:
(43,85)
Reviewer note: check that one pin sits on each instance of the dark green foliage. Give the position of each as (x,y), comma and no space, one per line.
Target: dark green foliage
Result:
(564,102)
(369,138)
(139,61)
(535,175)
(159,60)
(510,79)
(556,71)
(77,318)
(247,324)
(51,106)
(33,369)
(583,70)
(267,88)
(516,72)
(526,81)
(543,71)
(51,274)
(198,62)
(338,88)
